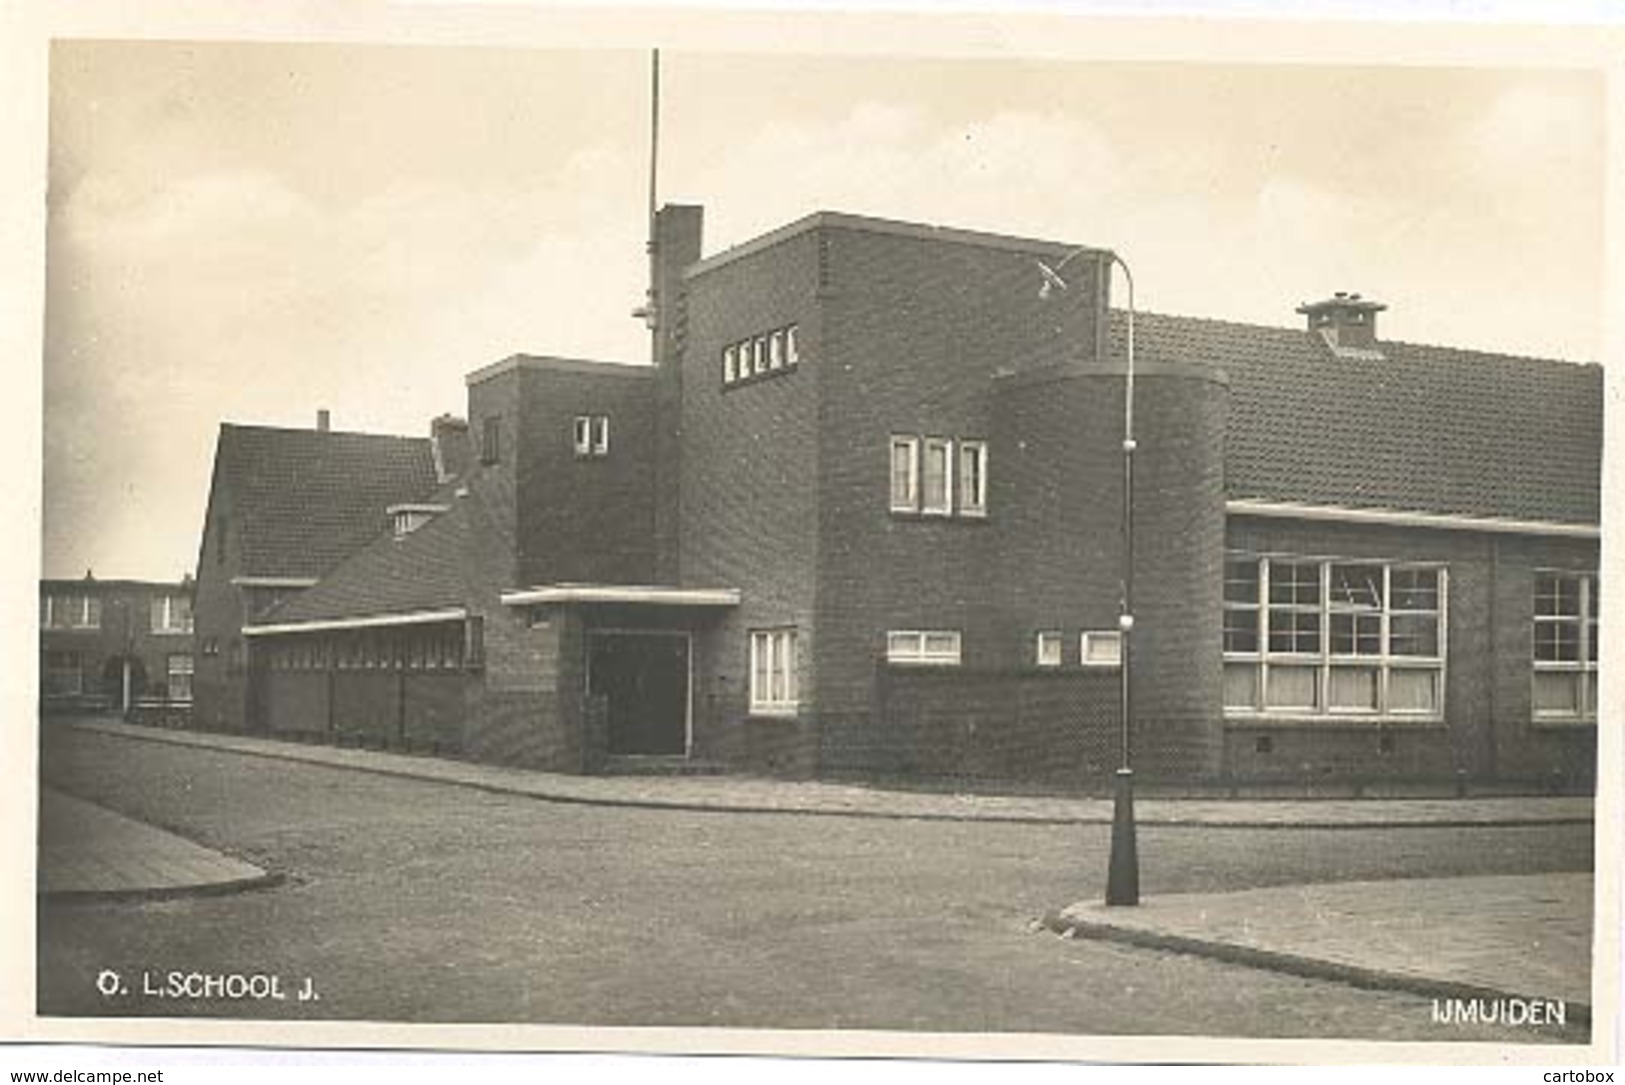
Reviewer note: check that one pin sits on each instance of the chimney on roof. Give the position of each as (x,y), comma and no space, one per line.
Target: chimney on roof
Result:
(324,419)
(1347,322)
(453,453)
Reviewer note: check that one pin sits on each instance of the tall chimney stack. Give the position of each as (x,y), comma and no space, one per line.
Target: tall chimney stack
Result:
(324,419)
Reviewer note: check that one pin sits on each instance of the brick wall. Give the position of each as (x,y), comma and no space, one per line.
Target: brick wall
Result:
(1002,724)
(749,483)
(586,518)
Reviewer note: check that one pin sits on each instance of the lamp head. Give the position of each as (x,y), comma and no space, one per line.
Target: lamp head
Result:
(1052,280)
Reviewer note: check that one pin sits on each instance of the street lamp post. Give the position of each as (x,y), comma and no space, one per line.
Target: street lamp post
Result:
(1123,868)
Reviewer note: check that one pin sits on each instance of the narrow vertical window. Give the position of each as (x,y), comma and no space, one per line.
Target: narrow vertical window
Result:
(491,440)
(758,349)
(600,435)
(730,365)
(973,478)
(792,346)
(773,682)
(775,350)
(937,477)
(581,435)
(905,457)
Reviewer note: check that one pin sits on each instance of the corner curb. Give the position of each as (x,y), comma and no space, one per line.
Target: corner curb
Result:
(1289,963)
(267,880)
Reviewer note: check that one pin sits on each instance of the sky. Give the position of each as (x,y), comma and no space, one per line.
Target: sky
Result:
(251,232)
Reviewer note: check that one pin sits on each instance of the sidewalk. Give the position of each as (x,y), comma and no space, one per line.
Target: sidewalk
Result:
(756,795)
(1510,936)
(90,852)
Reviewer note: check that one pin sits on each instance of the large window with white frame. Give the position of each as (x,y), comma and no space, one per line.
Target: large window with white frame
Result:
(1565,646)
(928,647)
(171,614)
(1314,637)
(71,611)
(773,680)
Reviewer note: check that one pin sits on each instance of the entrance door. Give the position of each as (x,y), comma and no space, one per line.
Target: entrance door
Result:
(644,679)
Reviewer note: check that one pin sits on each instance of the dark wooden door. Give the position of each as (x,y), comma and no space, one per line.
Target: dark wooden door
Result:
(643,678)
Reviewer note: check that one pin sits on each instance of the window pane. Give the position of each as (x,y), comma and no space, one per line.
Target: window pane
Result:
(1103,649)
(1356,634)
(1294,631)
(902,474)
(1241,630)
(934,487)
(1049,649)
(972,477)
(1241,685)
(729,372)
(93,613)
(600,434)
(1354,688)
(903,645)
(1557,641)
(1293,687)
(792,346)
(759,354)
(1415,589)
(1356,586)
(1413,690)
(775,351)
(942,644)
(1295,583)
(1240,580)
(759,661)
(1413,635)
(1557,693)
(1557,595)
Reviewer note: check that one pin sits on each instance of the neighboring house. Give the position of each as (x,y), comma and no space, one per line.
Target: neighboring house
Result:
(285,506)
(106,645)
(864,513)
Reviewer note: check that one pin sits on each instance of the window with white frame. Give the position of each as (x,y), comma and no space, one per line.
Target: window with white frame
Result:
(973,478)
(1565,646)
(71,611)
(936,476)
(905,459)
(171,614)
(773,682)
(1101,648)
(1049,649)
(590,435)
(768,354)
(180,677)
(1315,637)
(932,647)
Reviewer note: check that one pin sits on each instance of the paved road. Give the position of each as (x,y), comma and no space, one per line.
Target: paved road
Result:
(411,901)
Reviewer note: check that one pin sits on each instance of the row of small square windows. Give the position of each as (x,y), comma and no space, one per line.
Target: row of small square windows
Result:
(765,355)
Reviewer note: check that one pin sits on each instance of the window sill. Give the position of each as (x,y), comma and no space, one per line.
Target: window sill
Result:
(1340,721)
(1563,723)
(770,715)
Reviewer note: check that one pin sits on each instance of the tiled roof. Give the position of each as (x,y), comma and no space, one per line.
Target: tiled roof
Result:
(1428,429)
(463,555)
(303,499)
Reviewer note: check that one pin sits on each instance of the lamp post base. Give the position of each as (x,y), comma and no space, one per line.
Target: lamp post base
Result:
(1123,872)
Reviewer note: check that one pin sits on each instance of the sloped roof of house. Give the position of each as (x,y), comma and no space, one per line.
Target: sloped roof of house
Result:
(460,556)
(302,500)
(1421,428)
